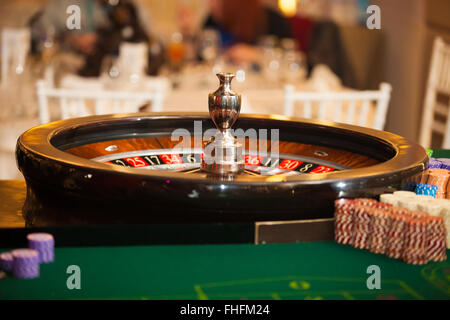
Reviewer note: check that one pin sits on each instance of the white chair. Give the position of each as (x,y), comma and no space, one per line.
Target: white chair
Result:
(438,83)
(75,102)
(351,107)
(15,47)
(133,59)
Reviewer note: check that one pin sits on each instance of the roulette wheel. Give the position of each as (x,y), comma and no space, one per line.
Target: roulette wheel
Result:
(154,168)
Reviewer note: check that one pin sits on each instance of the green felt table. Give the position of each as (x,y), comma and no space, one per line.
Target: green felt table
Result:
(317,270)
(439,153)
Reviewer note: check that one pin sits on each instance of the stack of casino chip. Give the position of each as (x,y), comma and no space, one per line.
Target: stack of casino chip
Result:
(44,244)
(433,208)
(361,222)
(435,163)
(408,203)
(445,163)
(389,198)
(412,235)
(415,242)
(403,194)
(439,178)
(403,199)
(447,190)
(25,264)
(361,226)
(427,190)
(365,202)
(6,261)
(437,174)
(343,223)
(380,225)
(396,234)
(384,206)
(409,184)
(428,204)
(436,235)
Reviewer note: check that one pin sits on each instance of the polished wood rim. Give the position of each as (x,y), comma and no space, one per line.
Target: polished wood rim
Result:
(343,158)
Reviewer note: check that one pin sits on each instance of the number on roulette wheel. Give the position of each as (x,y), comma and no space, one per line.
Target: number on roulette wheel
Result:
(128,168)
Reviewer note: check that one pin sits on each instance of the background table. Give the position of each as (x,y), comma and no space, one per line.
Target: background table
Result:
(19,107)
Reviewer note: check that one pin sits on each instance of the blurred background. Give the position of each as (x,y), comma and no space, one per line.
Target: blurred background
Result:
(163,56)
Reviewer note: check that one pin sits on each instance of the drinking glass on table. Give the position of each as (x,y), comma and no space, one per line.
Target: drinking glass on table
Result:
(294,67)
(272,59)
(133,58)
(110,72)
(175,52)
(209,45)
(15,67)
(268,42)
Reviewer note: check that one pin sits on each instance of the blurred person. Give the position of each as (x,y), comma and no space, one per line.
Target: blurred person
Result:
(186,26)
(124,26)
(241,24)
(322,43)
(49,25)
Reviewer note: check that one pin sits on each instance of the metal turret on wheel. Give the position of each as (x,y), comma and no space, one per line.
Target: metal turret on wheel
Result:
(223,155)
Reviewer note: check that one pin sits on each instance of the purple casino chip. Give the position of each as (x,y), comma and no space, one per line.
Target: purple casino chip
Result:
(25,264)
(44,244)
(445,163)
(434,164)
(6,261)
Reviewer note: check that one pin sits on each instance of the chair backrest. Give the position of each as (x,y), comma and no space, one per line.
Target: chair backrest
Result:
(75,102)
(133,58)
(363,108)
(15,47)
(438,84)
